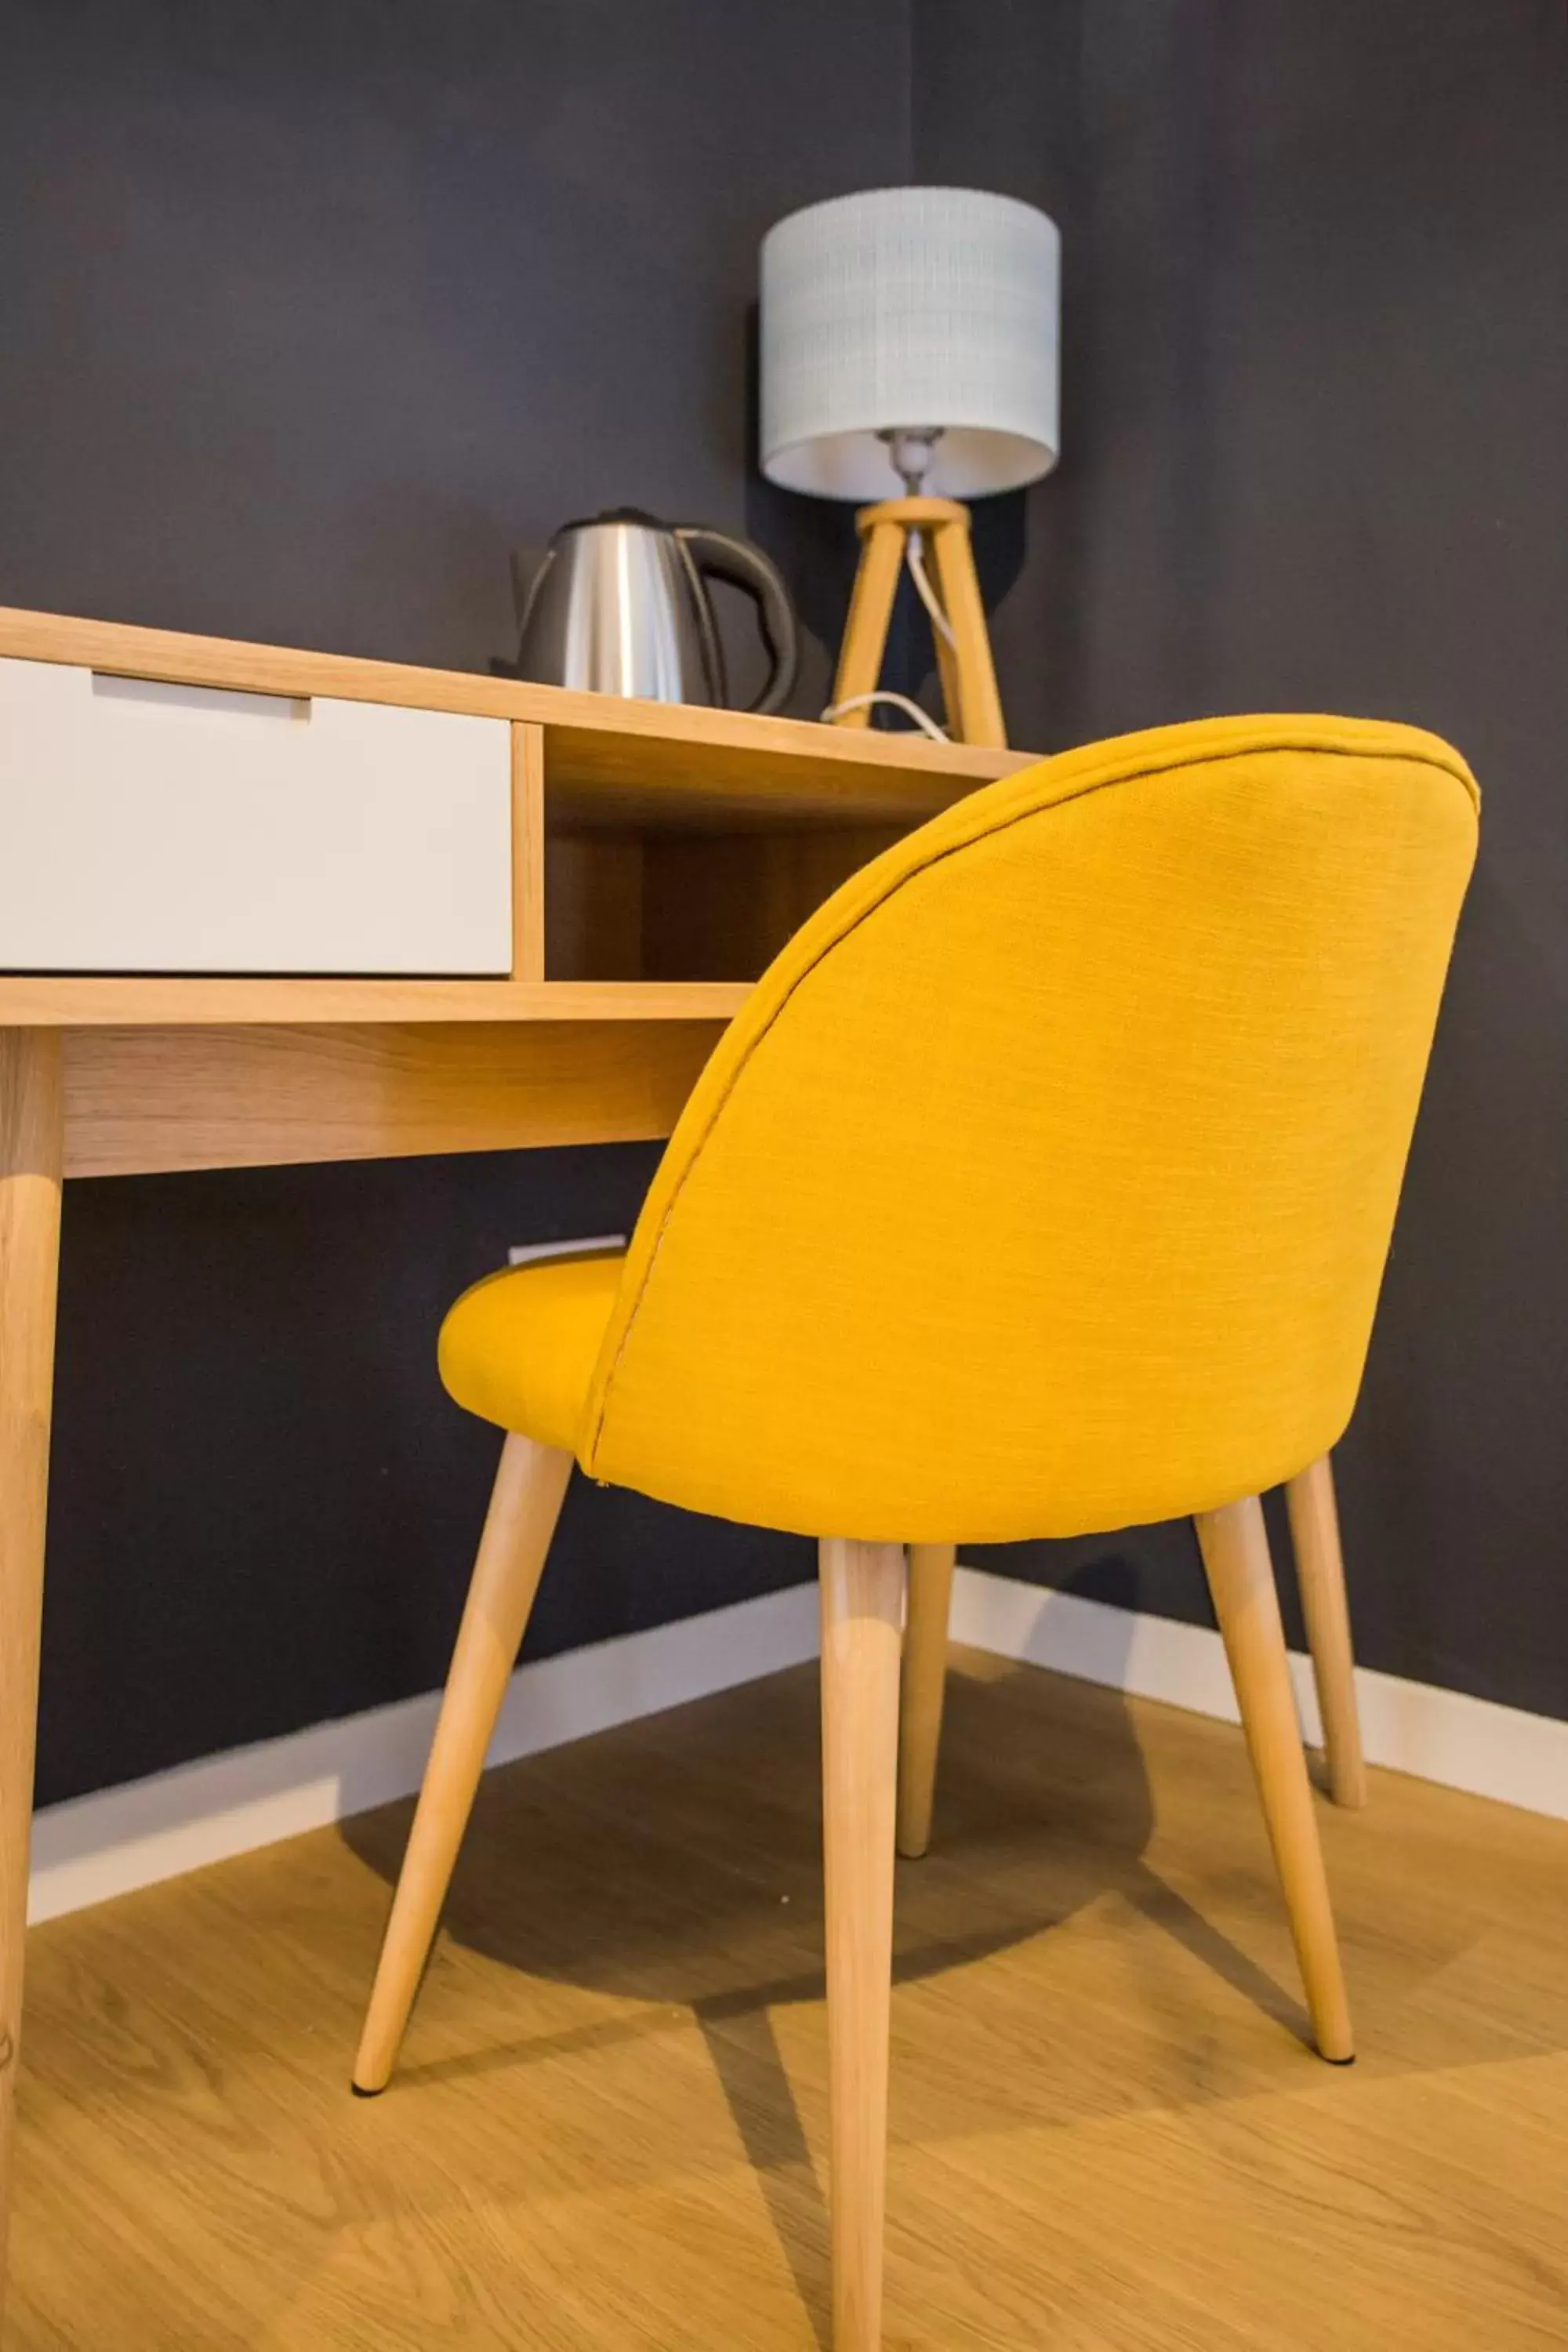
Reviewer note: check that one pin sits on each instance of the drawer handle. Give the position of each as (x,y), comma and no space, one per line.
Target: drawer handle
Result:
(165,694)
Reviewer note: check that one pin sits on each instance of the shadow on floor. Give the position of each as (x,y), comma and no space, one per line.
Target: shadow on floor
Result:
(677,1862)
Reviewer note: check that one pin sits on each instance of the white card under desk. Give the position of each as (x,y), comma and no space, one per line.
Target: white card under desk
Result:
(259,905)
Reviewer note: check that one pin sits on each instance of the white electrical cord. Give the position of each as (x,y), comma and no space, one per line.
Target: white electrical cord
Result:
(923,718)
(928,595)
(915,557)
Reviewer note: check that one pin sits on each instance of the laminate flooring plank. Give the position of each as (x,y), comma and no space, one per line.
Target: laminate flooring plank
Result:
(609,2132)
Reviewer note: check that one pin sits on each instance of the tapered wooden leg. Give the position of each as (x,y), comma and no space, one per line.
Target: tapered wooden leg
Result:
(1241,1579)
(923,1687)
(524,1506)
(978,716)
(1321,1574)
(862,1593)
(870,613)
(29,1261)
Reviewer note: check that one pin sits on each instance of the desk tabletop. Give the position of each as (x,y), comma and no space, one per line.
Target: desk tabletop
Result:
(606,766)
(48,1001)
(610,761)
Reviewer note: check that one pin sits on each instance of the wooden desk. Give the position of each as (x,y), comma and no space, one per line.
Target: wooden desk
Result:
(661,855)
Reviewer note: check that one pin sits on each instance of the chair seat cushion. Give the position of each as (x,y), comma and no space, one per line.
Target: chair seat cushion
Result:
(519,1348)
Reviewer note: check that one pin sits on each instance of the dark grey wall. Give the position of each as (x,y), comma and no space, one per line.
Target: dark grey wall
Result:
(308,311)
(1316,336)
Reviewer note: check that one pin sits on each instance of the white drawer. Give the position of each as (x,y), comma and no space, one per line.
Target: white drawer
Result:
(146,827)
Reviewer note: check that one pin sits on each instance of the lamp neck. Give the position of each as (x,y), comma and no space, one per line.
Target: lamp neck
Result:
(911,449)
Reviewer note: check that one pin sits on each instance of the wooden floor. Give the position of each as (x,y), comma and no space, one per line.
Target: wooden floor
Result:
(611,2126)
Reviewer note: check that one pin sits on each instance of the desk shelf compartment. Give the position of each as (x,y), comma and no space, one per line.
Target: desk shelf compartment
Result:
(676,906)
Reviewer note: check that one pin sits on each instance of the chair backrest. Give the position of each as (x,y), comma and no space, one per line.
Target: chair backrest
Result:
(1045,1182)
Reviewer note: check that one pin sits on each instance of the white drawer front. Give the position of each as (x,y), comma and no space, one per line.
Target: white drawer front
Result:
(169,828)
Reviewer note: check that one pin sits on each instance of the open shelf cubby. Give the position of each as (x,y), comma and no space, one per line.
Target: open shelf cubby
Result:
(693,854)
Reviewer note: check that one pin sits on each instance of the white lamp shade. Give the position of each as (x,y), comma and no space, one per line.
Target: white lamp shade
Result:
(903,308)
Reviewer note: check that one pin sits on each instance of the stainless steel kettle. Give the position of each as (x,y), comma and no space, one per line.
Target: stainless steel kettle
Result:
(620,605)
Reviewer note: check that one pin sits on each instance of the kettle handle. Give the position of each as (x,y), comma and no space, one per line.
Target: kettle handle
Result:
(747,568)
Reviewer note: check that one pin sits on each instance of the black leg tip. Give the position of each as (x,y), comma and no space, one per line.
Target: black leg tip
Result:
(360,2093)
(1326,2059)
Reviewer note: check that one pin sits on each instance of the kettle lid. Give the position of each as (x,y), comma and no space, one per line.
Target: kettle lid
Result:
(615,514)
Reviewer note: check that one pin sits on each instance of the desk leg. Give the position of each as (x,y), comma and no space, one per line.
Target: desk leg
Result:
(29,1257)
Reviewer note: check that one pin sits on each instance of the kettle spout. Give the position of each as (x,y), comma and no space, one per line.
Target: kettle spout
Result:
(528,565)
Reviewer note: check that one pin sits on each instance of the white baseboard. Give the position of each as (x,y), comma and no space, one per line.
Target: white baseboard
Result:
(97,1846)
(93,1847)
(1438,1734)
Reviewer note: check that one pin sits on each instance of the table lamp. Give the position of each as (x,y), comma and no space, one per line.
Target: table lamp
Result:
(912,333)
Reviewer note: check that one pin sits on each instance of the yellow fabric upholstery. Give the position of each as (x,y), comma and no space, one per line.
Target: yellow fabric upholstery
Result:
(519,1349)
(1045,1182)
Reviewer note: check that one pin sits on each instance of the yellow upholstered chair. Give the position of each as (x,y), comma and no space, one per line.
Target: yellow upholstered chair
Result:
(1044,1186)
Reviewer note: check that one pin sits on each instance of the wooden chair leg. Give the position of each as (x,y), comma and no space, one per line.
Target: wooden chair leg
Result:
(862,1593)
(923,1687)
(1321,1574)
(525,1503)
(1241,1579)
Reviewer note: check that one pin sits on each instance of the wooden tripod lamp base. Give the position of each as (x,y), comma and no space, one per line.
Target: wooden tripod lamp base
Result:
(968,675)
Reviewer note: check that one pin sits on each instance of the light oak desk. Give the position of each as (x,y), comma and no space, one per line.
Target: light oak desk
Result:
(628,868)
